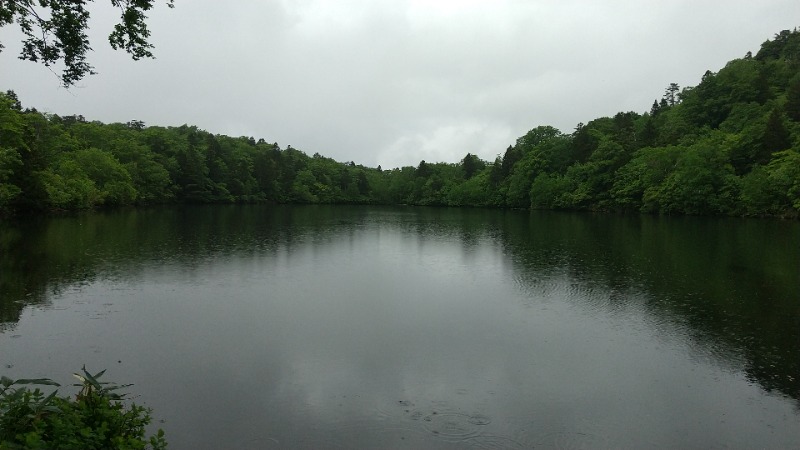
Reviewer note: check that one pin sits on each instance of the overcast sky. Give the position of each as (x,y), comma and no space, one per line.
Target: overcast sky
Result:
(396,82)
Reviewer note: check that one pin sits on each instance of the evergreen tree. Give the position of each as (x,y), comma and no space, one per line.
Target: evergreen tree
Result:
(792,106)
(649,133)
(511,156)
(776,137)
(471,164)
(655,109)
(671,94)
(423,170)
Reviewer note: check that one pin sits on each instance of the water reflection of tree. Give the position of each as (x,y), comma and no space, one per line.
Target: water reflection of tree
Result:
(730,283)
(40,257)
(24,273)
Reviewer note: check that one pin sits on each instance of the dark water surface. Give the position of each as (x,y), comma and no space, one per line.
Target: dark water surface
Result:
(357,327)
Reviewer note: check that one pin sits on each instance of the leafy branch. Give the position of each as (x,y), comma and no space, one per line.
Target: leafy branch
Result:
(55,30)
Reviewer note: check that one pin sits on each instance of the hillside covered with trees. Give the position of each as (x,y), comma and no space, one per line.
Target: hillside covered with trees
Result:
(729,146)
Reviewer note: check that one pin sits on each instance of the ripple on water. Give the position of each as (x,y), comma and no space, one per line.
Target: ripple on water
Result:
(466,430)
(573,440)
(479,419)
(451,425)
(491,442)
(416,415)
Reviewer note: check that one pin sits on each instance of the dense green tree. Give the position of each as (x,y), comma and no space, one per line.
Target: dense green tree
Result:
(775,138)
(471,165)
(793,101)
(671,94)
(583,143)
(510,157)
(624,132)
(236,158)
(217,167)
(586,138)
(303,187)
(192,180)
(649,133)
(702,182)
(13,101)
(40,145)
(785,45)
(784,180)
(675,128)
(519,182)
(266,170)
(362,183)
(9,163)
(150,179)
(535,137)
(637,182)
(655,109)
(758,195)
(11,142)
(551,191)
(743,81)
(708,104)
(472,192)
(535,152)
(112,181)
(496,172)
(68,186)
(423,170)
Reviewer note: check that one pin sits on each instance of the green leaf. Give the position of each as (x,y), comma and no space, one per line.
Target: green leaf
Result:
(40,381)
(43,405)
(90,379)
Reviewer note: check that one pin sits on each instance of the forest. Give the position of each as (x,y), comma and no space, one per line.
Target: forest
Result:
(728,146)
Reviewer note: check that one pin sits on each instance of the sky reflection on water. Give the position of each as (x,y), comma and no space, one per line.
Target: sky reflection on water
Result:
(409,328)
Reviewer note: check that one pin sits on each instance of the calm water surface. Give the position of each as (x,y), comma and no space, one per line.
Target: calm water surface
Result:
(356,327)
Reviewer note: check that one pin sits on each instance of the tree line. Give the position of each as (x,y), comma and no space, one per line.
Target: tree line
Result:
(729,146)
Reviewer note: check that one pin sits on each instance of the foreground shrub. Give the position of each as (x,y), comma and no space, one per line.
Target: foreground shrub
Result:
(95,419)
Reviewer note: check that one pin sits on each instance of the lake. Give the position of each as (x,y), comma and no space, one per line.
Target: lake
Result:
(400,327)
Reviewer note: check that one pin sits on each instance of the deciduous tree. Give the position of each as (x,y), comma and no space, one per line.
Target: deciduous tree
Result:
(55,31)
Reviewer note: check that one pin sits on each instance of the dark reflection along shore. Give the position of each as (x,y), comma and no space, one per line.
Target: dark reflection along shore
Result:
(731,284)
(41,256)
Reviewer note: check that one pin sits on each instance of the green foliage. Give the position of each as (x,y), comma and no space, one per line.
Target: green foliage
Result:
(520,179)
(471,165)
(68,186)
(109,176)
(785,45)
(550,191)
(637,182)
(784,178)
(758,195)
(472,192)
(9,162)
(701,183)
(793,101)
(96,418)
(775,137)
(55,30)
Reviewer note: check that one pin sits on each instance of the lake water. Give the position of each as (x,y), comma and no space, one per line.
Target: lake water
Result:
(370,327)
